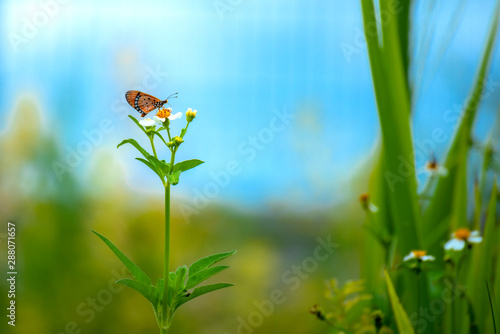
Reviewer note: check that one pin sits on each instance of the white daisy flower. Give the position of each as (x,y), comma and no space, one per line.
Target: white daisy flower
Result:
(163,114)
(434,168)
(147,122)
(419,255)
(462,237)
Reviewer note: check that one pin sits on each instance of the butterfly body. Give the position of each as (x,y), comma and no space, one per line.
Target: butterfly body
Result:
(142,102)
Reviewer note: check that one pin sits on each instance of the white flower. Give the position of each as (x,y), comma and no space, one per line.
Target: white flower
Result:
(163,114)
(433,168)
(147,122)
(175,116)
(461,237)
(419,255)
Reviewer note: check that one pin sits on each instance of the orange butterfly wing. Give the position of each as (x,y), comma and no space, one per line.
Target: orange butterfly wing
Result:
(143,102)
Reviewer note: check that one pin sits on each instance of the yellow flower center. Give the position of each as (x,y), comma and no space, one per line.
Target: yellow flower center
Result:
(419,253)
(163,113)
(462,234)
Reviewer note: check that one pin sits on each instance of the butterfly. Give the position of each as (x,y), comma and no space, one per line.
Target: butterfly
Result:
(144,103)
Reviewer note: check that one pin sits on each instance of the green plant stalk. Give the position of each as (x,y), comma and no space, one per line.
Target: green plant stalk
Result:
(166,269)
(151,137)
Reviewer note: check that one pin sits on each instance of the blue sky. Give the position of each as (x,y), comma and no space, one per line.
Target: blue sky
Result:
(237,62)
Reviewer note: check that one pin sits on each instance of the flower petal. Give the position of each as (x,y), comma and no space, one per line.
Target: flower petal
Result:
(427,258)
(455,244)
(147,122)
(475,239)
(158,119)
(441,171)
(372,207)
(175,116)
(475,233)
(409,257)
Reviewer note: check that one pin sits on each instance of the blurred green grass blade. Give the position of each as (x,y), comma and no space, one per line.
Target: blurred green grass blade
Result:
(389,81)
(138,274)
(478,205)
(402,320)
(442,203)
(495,314)
(148,291)
(487,159)
(398,168)
(376,254)
(403,18)
(484,255)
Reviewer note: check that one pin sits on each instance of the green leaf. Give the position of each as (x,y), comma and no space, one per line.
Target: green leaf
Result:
(151,166)
(183,132)
(134,143)
(138,124)
(147,291)
(483,255)
(402,320)
(493,306)
(203,275)
(203,290)
(174,178)
(181,278)
(131,266)
(442,204)
(161,165)
(208,261)
(187,165)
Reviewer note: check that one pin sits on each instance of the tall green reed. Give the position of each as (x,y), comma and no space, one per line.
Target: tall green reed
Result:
(452,279)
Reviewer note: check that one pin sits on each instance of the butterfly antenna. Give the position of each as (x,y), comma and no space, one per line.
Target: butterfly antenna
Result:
(172,96)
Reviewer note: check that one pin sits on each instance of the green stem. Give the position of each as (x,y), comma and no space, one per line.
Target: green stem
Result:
(153,144)
(454,290)
(166,269)
(168,129)
(172,160)
(419,297)
(185,130)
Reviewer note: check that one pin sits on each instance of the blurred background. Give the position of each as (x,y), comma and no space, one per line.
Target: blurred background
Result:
(283,91)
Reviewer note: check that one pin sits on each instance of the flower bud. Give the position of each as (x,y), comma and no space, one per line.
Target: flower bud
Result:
(190,114)
(177,140)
